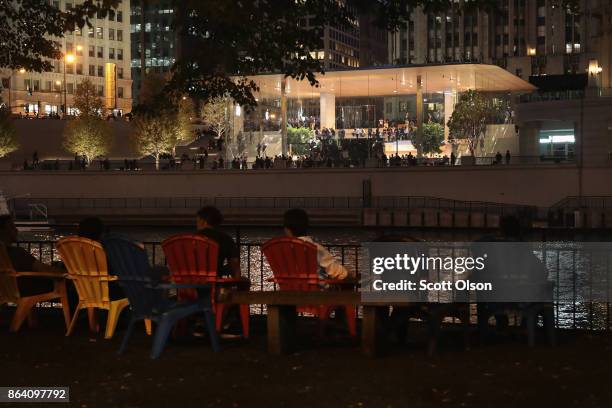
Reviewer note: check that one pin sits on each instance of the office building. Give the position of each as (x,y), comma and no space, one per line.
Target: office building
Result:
(154,45)
(526,37)
(100,53)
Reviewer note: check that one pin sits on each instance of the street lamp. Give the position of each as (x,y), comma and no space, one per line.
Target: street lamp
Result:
(68,59)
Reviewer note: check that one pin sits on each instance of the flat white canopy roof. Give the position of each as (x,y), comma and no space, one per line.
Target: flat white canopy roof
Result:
(398,81)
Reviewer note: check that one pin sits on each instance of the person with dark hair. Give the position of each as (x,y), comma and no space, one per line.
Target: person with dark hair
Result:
(92,228)
(208,221)
(296,223)
(23,261)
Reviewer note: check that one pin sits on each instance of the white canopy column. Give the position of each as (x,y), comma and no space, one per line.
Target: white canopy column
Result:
(328,110)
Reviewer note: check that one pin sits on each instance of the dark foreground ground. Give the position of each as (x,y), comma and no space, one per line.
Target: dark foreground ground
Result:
(576,373)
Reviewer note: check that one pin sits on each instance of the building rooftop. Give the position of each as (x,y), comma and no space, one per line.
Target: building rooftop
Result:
(386,81)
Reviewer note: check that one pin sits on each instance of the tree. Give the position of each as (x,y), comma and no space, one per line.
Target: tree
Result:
(469,119)
(184,115)
(88,136)
(162,121)
(155,135)
(298,139)
(433,137)
(215,115)
(8,134)
(86,99)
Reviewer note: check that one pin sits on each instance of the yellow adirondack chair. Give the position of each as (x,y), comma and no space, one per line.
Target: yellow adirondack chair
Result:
(9,291)
(85,261)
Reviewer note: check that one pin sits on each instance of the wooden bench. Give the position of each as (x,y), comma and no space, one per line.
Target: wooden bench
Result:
(282,315)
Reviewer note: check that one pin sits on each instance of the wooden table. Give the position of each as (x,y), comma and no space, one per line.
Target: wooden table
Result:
(282,315)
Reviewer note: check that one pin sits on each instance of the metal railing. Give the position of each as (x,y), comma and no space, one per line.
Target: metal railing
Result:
(18,205)
(566,95)
(562,259)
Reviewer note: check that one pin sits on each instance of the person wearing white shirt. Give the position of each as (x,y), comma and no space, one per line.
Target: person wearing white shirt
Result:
(295,222)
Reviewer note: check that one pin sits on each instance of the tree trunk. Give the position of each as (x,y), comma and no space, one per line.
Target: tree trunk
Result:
(157,162)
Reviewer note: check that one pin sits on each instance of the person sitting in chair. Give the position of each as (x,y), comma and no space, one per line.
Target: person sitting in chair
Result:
(296,222)
(208,221)
(23,261)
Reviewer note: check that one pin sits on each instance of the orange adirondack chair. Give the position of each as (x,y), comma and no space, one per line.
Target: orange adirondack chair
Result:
(193,258)
(295,267)
(86,263)
(9,291)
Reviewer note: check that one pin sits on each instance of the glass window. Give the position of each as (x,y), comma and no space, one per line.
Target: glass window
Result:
(120,16)
(111,15)
(119,54)
(70,88)
(100,71)
(78,32)
(111,53)
(69,47)
(100,52)
(120,73)
(111,34)
(70,69)
(92,51)
(100,90)
(92,70)
(79,50)
(99,33)
(90,32)
(119,35)
(120,92)
(26,84)
(79,69)
(36,85)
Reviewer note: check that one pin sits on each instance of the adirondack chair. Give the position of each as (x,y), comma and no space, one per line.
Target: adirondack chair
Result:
(9,291)
(295,268)
(85,261)
(192,258)
(148,298)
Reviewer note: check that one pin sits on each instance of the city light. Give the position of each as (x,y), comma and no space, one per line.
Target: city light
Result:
(69,58)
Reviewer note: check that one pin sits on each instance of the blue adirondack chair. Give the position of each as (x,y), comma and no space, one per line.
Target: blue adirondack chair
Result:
(148,297)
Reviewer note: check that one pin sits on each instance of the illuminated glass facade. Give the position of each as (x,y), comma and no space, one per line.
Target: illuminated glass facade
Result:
(153,41)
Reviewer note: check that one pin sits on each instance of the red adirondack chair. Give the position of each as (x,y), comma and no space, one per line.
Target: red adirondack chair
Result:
(295,267)
(192,258)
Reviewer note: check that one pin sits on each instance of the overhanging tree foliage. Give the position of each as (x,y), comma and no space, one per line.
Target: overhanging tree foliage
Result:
(221,38)
(226,42)
(27,28)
